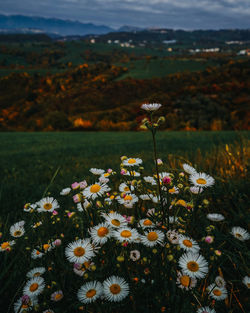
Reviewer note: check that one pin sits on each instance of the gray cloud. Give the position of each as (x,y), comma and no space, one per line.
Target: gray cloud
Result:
(187,14)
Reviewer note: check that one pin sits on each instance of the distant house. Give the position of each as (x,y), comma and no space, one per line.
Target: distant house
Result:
(167,42)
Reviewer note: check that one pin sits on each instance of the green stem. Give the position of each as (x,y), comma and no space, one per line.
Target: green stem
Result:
(158,178)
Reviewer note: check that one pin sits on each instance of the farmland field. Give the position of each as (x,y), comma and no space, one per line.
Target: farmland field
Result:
(28,161)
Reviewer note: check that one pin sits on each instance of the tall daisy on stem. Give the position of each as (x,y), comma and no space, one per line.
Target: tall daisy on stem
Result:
(151,108)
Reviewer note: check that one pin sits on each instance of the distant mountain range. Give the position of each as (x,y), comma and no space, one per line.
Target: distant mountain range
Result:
(33,24)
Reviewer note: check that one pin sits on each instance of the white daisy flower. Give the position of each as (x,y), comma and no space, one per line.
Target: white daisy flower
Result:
(150,106)
(115,289)
(126,234)
(56,296)
(125,188)
(220,282)
(205,309)
(145,197)
(196,190)
(132,162)
(37,224)
(128,200)
(97,171)
(89,292)
(103,180)
(146,223)
(240,233)
(185,282)
(150,180)
(79,207)
(80,269)
(29,207)
(17,230)
(152,238)
(95,190)
(189,169)
(174,190)
(25,306)
(215,217)
(65,191)
(135,255)
(115,220)
(47,204)
(131,173)
(201,180)
(34,287)
(188,244)
(156,199)
(100,233)
(35,272)
(217,293)
(36,254)
(173,236)
(246,281)
(193,265)
(79,251)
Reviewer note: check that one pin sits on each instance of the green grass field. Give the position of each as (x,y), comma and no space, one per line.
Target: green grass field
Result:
(142,69)
(28,161)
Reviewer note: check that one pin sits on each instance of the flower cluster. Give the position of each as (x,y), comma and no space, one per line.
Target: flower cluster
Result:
(132,233)
(126,238)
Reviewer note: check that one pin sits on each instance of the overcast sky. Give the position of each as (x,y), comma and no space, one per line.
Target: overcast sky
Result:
(185,14)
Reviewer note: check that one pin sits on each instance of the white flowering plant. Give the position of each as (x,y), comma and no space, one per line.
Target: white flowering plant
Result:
(150,242)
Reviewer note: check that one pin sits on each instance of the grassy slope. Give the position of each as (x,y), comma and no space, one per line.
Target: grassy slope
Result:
(141,69)
(28,161)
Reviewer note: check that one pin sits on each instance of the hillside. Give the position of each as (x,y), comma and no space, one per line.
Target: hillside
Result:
(92,97)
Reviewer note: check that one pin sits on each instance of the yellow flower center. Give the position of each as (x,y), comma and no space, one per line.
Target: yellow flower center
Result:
(33,287)
(171,190)
(25,306)
(17,233)
(102,231)
(5,245)
(217,292)
(126,188)
(201,181)
(46,246)
(106,175)
(115,289)
(147,223)
(95,188)
(47,206)
(131,161)
(58,296)
(116,222)
(185,280)
(248,285)
(79,251)
(238,235)
(152,236)
(126,233)
(91,293)
(128,198)
(187,243)
(86,264)
(193,266)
